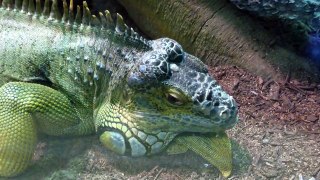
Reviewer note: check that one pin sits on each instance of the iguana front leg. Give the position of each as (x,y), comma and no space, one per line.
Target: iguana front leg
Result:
(25,109)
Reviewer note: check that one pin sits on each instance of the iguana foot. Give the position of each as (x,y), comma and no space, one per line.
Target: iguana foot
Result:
(25,109)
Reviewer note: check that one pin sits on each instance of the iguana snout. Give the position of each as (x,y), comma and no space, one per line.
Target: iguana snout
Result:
(169,66)
(213,109)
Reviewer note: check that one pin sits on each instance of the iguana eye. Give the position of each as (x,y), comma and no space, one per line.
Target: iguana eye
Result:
(175,97)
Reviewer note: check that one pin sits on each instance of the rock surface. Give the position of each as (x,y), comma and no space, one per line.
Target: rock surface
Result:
(219,33)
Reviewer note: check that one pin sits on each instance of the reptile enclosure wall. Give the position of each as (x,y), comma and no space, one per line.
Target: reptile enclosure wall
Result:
(218,33)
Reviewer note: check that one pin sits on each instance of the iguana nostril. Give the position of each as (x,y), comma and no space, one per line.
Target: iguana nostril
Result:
(224,115)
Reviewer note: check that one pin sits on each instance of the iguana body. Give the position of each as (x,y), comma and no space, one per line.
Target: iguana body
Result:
(80,75)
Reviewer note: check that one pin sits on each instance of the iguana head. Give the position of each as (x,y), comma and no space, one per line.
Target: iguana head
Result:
(167,92)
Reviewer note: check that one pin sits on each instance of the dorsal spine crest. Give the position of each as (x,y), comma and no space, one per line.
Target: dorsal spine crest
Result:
(18,4)
(46,9)
(83,21)
(54,12)
(38,11)
(31,9)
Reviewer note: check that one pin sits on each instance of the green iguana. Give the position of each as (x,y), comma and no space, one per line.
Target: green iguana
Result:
(74,75)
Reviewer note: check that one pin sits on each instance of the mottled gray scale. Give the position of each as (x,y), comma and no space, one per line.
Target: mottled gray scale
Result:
(155,66)
(194,86)
(205,86)
(201,97)
(201,77)
(216,103)
(155,63)
(192,74)
(173,49)
(164,67)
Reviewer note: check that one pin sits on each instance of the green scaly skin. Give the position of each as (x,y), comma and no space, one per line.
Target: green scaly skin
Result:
(80,75)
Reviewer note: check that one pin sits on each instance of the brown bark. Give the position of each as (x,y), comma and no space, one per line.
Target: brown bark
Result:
(218,33)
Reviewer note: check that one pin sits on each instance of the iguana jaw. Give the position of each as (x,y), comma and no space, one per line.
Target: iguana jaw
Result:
(145,123)
(139,134)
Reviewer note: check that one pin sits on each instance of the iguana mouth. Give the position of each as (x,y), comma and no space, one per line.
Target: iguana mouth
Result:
(178,123)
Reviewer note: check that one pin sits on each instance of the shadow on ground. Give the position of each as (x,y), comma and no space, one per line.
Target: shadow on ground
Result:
(85,158)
